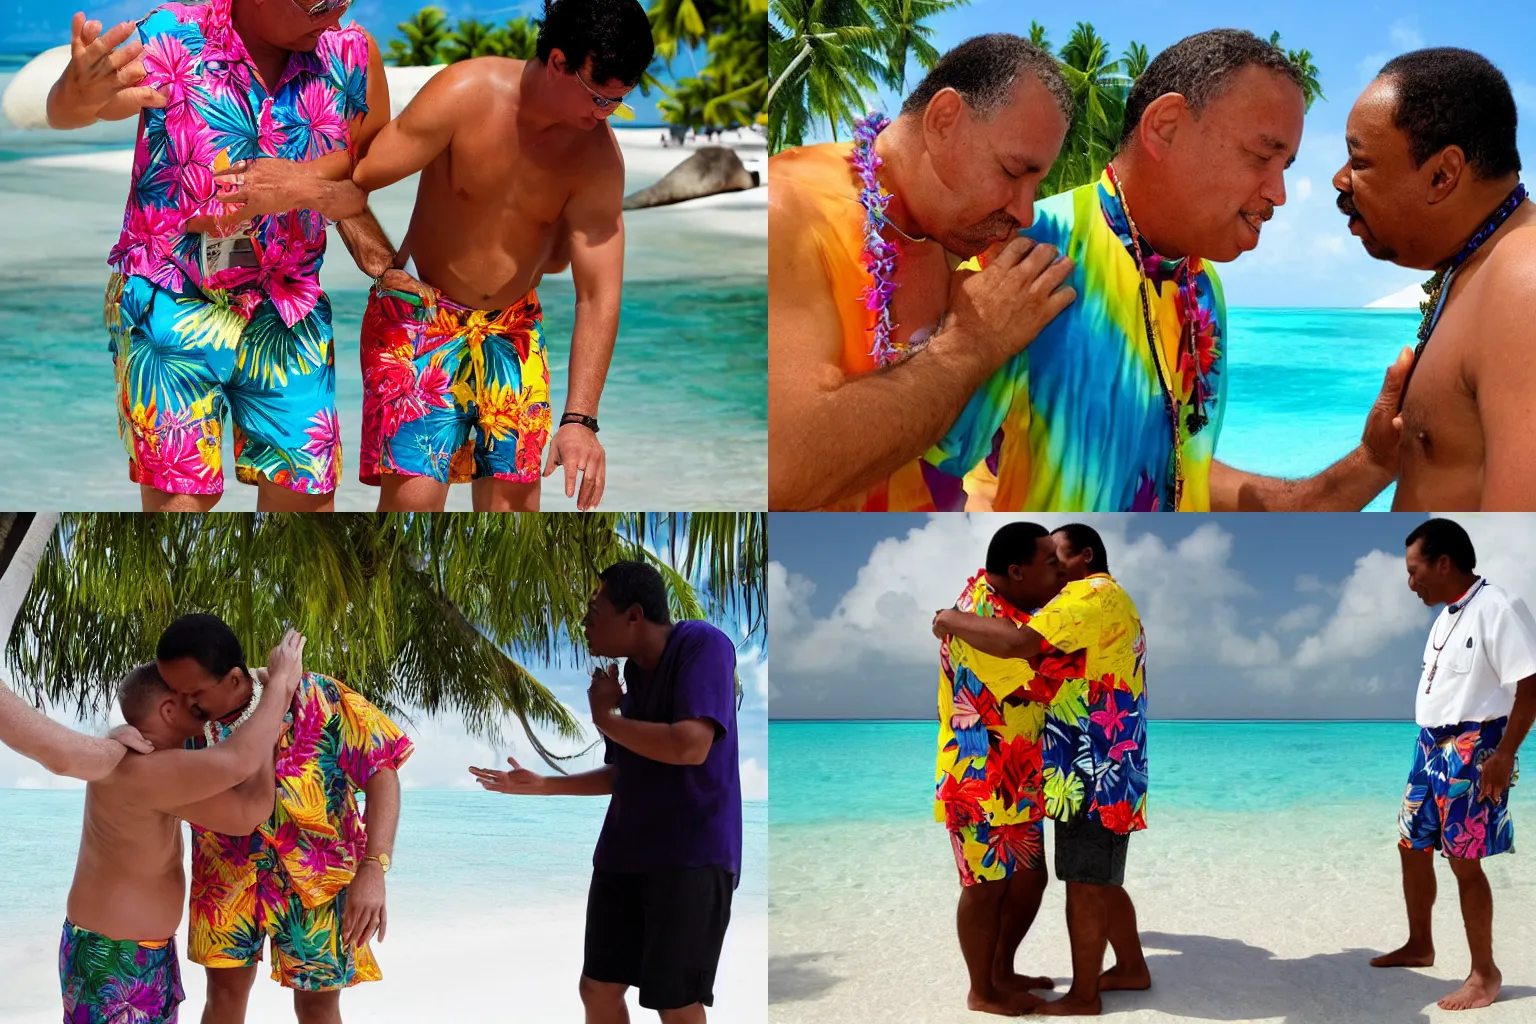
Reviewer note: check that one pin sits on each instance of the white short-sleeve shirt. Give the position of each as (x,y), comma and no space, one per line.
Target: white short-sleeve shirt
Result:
(1488,647)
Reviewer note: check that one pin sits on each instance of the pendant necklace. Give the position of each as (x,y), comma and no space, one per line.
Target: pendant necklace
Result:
(1455,609)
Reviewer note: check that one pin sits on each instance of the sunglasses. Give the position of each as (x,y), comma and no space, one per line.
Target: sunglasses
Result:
(621,110)
(323,8)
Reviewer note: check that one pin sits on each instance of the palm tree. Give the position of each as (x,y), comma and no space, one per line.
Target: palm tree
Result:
(425,33)
(823,57)
(428,612)
(1134,60)
(1038,36)
(1311,88)
(519,39)
(470,38)
(1099,89)
(901,25)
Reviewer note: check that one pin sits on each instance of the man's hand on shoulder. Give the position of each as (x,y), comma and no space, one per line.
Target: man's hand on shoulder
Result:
(102,78)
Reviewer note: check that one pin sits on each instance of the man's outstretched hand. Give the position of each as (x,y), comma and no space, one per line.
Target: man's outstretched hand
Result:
(517,782)
(100,71)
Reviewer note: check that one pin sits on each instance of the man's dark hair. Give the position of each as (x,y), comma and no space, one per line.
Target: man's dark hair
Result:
(1199,68)
(1450,97)
(636,583)
(983,71)
(1081,536)
(206,639)
(1014,544)
(139,690)
(1444,537)
(616,34)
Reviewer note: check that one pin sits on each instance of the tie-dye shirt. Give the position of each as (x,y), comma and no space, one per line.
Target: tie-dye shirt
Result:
(1077,421)
(990,719)
(1095,743)
(332,743)
(218,112)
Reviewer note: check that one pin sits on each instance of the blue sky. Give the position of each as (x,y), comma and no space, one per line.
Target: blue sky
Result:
(29,27)
(1306,258)
(1247,616)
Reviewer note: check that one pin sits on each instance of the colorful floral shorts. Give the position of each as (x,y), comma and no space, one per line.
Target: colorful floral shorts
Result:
(1441,810)
(183,360)
(109,981)
(233,913)
(991,853)
(458,395)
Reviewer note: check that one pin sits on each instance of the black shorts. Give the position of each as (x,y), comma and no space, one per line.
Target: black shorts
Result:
(660,931)
(1088,852)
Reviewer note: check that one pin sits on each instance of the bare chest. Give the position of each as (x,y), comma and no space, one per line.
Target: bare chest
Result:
(1442,441)
(497,170)
(922,293)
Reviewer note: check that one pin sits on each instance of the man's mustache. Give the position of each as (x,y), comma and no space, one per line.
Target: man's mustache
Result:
(1346,205)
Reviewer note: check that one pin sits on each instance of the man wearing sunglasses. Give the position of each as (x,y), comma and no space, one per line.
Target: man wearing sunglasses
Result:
(520,175)
(252,113)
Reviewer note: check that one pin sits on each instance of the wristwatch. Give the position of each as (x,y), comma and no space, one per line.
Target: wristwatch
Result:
(382,858)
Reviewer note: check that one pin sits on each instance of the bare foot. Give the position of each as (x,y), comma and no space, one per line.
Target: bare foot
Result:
(1118,979)
(1070,1006)
(1407,956)
(1477,990)
(1007,1004)
(1022,983)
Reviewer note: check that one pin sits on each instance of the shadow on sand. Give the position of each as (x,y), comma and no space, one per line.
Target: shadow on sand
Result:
(1228,980)
(799,977)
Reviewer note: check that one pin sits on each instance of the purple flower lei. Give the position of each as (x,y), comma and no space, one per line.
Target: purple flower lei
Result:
(879,256)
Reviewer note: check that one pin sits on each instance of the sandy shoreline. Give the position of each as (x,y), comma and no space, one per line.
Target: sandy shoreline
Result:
(1245,917)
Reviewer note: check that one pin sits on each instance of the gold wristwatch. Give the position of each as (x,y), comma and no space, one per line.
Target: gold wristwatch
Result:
(382,858)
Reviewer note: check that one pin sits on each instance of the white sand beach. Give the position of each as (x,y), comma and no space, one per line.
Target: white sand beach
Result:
(1245,916)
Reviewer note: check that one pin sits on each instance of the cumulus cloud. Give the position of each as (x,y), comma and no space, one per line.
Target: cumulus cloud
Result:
(754,780)
(1374,609)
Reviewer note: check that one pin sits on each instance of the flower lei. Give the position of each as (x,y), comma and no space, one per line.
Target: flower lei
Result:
(245,716)
(879,256)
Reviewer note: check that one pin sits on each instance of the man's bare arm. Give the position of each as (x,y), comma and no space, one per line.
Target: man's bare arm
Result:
(1505,385)
(1346,486)
(522,782)
(686,742)
(239,811)
(424,128)
(831,435)
(989,634)
(56,747)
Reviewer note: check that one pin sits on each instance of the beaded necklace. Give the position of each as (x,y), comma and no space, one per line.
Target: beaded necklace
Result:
(1439,287)
(215,733)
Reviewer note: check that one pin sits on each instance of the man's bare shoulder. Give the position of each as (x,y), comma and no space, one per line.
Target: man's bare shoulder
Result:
(478,86)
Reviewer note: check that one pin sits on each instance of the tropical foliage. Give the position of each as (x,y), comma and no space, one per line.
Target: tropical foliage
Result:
(427,38)
(828,58)
(417,612)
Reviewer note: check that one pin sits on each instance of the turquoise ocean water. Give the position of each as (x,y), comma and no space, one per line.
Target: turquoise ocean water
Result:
(1232,767)
(465,851)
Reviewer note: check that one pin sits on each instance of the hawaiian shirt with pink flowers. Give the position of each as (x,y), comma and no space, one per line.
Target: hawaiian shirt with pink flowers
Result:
(219,112)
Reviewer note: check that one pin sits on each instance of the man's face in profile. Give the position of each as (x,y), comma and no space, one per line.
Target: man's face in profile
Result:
(204,696)
(1380,190)
(990,168)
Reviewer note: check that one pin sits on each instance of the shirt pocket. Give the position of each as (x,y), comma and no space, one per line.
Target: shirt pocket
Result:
(1462,655)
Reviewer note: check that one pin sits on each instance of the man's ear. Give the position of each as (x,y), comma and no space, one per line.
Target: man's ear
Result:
(558,62)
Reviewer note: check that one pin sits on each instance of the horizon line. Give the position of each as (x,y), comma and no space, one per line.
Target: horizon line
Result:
(1174,721)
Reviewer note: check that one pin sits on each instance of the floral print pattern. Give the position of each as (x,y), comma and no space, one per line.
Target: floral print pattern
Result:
(1094,748)
(1441,810)
(118,981)
(459,395)
(288,879)
(988,781)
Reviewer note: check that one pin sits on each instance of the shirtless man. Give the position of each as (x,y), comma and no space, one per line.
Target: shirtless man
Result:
(515,156)
(845,429)
(117,957)
(1432,158)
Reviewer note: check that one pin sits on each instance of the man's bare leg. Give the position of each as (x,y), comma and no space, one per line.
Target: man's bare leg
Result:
(160,501)
(979,922)
(401,493)
(318,1007)
(1482,985)
(1130,971)
(1088,931)
(501,496)
(1419,895)
(229,988)
(1021,903)
(271,497)
(604,1001)
(693,1014)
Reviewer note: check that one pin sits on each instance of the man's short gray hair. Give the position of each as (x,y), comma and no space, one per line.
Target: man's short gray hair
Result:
(983,71)
(1199,68)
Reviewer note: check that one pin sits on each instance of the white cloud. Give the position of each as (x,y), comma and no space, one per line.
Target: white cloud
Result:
(754,780)
(1297,619)
(787,597)
(1301,189)
(1374,608)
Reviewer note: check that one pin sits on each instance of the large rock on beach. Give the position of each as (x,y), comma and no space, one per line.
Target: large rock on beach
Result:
(711,170)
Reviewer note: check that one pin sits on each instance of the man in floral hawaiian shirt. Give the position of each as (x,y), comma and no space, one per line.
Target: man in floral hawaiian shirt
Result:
(991,711)
(245,146)
(312,876)
(1088,651)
